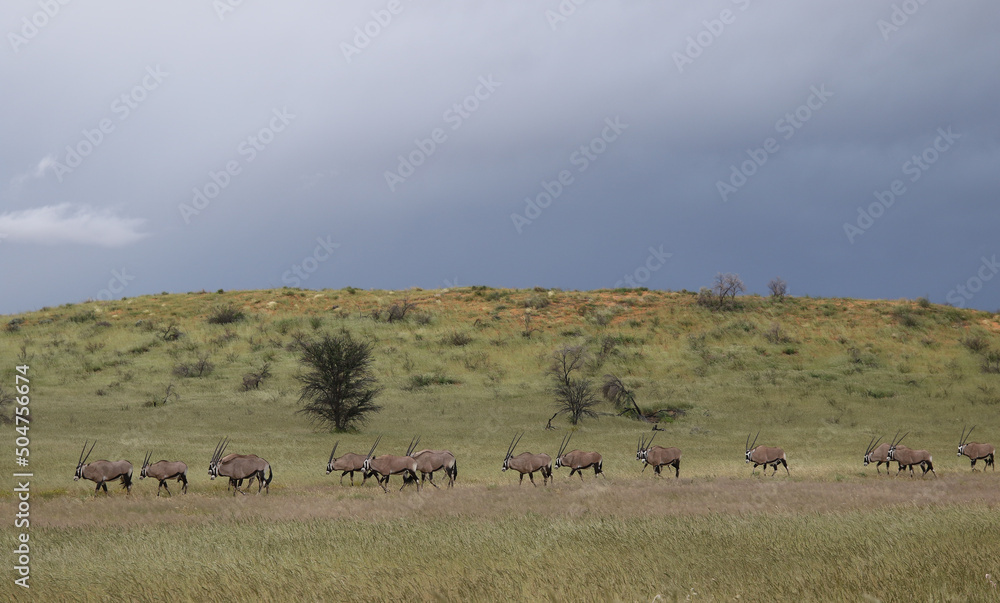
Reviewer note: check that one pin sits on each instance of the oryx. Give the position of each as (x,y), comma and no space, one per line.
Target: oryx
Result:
(658,456)
(387,465)
(240,467)
(765,455)
(976,451)
(527,463)
(348,463)
(879,453)
(429,461)
(578,460)
(101,472)
(164,470)
(909,458)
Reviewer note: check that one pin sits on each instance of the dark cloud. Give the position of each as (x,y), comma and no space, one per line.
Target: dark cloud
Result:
(209,151)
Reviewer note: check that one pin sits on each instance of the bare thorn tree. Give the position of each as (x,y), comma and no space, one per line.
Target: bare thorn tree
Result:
(727,286)
(778,288)
(574,396)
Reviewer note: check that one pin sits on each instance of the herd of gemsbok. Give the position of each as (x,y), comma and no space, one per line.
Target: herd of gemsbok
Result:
(418,466)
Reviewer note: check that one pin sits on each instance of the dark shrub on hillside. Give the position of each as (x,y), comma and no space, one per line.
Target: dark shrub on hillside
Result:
(226,314)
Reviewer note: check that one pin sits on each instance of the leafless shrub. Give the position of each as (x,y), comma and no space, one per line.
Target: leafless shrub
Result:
(777,335)
(200,367)
(778,288)
(574,396)
(253,379)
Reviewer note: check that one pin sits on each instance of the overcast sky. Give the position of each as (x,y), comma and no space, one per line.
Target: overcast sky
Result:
(849,147)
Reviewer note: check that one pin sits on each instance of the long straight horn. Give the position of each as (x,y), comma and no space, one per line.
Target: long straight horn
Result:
(900,439)
(565,443)
(333,452)
(754,441)
(80,460)
(748,441)
(149,455)
(372,451)
(510,447)
(412,446)
(650,441)
(894,442)
(968,434)
(216,453)
(89,451)
(871,446)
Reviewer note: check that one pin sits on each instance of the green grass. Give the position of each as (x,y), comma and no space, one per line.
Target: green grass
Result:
(465,377)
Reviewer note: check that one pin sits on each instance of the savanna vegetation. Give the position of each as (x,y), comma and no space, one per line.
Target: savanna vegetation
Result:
(465,369)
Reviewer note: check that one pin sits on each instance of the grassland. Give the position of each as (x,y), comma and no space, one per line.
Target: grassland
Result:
(466,369)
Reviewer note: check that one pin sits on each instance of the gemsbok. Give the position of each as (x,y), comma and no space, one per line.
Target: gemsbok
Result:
(101,472)
(909,458)
(164,470)
(348,463)
(387,465)
(527,462)
(765,455)
(658,456)
(578,460)
(429,461)
(240,467)
(976,451)
(878,454)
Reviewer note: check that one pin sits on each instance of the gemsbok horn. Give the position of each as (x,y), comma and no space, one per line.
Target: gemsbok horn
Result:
(578,460)
(765,455)
(387,465)
(240,467)
(908,458)
(976,451)
(164,470)
(348,463)
(429,461)
(658,456)
(879,453)
(527,462)
(101,472)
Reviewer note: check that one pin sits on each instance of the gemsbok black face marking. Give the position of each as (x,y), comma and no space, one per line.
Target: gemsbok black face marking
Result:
(527,462)
(658,456)
(101,472)
(765,455)
(578,460)
(908,458)
(238,467)
(164,470)
(387,465)
(349,463)
(976,451)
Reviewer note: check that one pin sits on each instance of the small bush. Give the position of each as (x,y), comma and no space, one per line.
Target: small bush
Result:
(199,368)
(85,316)
(537,302)
(777,335)
(418,381)
(226,314)
(457,338)
(991,362)
(975,343)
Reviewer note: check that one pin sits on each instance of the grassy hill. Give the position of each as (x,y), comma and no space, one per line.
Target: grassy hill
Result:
(465,369)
